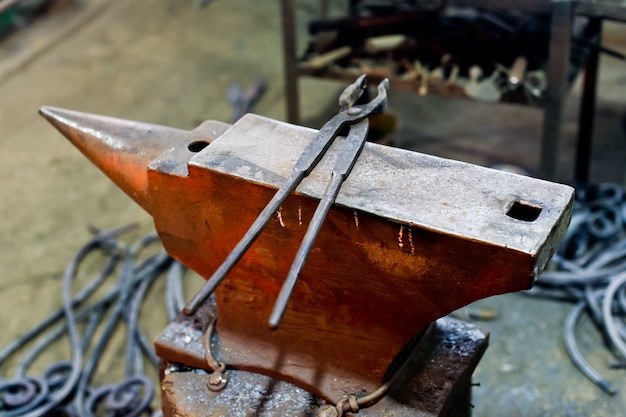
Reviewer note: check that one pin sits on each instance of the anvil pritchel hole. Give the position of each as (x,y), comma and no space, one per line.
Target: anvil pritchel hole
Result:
(524,211)
(197,145)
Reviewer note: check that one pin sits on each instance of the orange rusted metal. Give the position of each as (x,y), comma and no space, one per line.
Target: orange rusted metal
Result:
(411,238)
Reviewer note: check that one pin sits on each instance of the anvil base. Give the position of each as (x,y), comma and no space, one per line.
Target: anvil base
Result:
(436,381)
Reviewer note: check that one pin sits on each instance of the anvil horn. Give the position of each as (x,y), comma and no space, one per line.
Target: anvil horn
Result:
(120,148)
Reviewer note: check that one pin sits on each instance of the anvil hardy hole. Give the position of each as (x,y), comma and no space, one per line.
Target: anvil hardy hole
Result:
(521,210)
(197,145)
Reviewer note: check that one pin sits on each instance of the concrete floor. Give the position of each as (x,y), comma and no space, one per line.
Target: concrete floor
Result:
(169,63)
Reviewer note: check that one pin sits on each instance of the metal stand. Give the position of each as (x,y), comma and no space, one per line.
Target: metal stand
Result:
(587,109)
(558,66)
(435,381)
(563,13)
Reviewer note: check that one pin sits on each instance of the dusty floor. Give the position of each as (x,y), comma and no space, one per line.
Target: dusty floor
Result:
(169,63)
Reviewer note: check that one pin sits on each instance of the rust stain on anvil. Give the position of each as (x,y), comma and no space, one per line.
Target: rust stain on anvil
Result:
(411,238)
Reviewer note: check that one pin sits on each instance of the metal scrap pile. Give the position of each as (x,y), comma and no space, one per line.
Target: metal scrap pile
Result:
(590,271)
(112,297)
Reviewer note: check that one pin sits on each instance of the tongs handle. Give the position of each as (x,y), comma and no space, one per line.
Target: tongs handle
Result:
(244,244)
(354,143)
(312,154)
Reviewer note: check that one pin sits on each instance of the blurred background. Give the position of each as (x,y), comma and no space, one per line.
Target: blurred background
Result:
(180,62)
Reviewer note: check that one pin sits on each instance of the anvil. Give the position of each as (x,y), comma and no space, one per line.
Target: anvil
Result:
(411,238)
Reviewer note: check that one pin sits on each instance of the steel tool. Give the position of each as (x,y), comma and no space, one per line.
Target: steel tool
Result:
(349,115)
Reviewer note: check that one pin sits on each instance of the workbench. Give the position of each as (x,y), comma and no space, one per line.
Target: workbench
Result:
(560,74)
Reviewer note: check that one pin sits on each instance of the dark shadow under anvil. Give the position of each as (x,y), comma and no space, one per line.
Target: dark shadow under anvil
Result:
(411,238)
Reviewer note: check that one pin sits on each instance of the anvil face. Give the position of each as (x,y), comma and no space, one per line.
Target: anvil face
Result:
(411,238)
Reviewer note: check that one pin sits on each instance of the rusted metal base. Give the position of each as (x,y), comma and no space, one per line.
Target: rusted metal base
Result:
(435,381)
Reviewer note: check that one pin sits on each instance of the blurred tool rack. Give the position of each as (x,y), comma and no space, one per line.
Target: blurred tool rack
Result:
(569,47)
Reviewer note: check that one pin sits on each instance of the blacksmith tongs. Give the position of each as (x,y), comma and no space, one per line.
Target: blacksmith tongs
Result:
(354,117)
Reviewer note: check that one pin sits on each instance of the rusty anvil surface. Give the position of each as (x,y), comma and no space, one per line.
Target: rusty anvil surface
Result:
(411,238)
